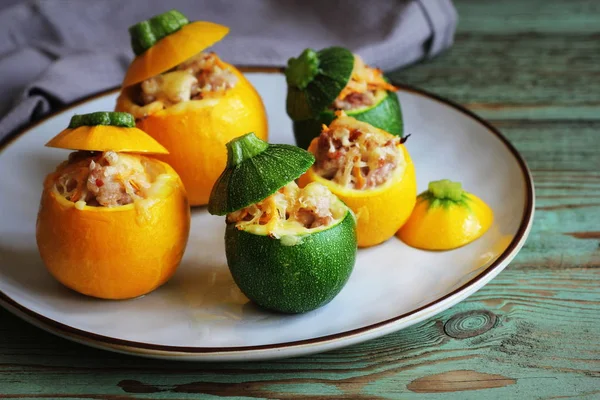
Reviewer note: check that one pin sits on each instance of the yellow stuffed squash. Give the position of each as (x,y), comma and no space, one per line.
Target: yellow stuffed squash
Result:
(113,222)
(368,169)
(189,100)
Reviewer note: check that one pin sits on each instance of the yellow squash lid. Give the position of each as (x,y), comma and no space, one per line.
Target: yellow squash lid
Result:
(106,131)
(174,49)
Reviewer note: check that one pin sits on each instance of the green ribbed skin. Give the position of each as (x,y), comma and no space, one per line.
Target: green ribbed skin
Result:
(315,79)
(292,278)
(255,170)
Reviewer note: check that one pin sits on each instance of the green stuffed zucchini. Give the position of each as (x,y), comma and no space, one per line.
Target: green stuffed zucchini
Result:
(322,83)
(289,249)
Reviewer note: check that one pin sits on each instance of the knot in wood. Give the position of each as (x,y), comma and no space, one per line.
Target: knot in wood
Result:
(470,324)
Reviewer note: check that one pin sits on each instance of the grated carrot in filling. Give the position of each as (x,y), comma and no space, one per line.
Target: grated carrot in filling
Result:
(362,88)
(290,209)
(355,155)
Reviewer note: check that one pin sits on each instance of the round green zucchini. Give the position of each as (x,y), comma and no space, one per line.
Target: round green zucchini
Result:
(292,274)
(315,80)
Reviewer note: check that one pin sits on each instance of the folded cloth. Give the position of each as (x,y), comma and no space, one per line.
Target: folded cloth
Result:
(54,52)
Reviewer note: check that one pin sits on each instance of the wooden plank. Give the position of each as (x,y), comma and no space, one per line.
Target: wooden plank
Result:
(520,60)
(566,226)
(556,16)
(544,341)
(516,75)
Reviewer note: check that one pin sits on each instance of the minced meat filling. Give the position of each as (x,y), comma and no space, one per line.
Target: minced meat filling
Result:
(362,88)
(354,157)
(105,179)
(311,207)
(200,77)
(355,100)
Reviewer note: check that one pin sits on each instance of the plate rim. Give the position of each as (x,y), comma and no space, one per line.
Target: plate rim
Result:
(151,349)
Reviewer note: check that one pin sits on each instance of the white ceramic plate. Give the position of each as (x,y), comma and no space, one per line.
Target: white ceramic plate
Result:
(201,315)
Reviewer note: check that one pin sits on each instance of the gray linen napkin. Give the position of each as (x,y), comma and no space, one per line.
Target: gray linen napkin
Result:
(54,52)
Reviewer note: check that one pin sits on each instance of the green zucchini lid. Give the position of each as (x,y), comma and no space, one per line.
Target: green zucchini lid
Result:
(315,79)
(145,34)
(255,170)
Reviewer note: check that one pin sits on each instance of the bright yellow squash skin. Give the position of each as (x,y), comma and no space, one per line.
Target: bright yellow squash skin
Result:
(195,133)
(380,212)
(446,224)
(105,138)
(114,252)
(174,49)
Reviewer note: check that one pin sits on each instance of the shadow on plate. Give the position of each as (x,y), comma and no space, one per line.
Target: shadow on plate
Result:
(22,270)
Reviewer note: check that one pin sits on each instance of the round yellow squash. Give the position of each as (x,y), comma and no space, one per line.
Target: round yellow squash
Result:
(114,252)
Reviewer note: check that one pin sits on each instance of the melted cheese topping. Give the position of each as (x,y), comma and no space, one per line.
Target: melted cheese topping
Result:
(107,179)
(202,76)
(172,88)
(291,211)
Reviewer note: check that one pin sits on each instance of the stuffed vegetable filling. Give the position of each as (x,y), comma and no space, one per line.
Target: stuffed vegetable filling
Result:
(355,155)
(106,179)
(365,88)
(291,211)
(202,76)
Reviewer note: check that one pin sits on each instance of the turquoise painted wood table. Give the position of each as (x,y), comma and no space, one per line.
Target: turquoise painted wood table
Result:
(533,69)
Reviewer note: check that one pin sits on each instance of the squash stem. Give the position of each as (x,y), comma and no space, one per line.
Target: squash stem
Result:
(110,118)
(446,190)
(302,70)
(145,34)
(243,148)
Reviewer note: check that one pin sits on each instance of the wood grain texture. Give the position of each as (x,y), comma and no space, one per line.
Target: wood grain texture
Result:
(533,68)
(458,381)
(520,59)
(564,158)
(521,75)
